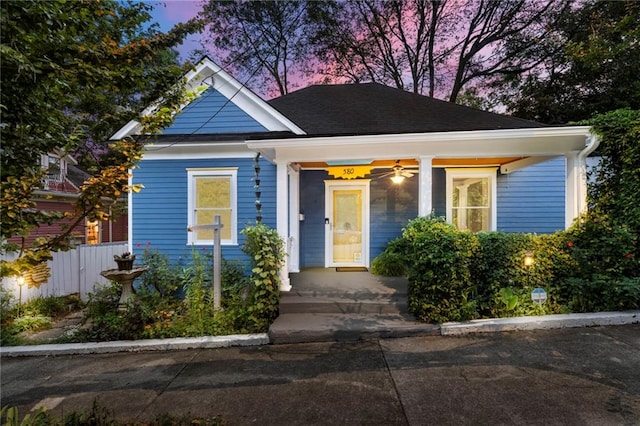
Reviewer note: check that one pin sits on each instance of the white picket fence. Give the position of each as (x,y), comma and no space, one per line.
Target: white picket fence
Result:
(73,271)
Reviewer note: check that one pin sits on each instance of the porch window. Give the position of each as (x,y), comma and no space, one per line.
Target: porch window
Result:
(471,200)
(212,192)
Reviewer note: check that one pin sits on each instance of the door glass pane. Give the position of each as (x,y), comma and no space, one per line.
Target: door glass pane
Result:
(347,226)
(471,203)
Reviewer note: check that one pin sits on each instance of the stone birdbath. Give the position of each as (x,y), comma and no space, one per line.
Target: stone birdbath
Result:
(125,278)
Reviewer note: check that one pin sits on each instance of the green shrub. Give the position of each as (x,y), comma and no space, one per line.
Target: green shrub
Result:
(601,293)
(96,416)
(455,275)
(105,321)
(31,322)
(497,266)
(392,262)
(199,297)
(234,282)
(161,279)
(601,246)
(6,304)
(266,251)
(439,274)
(35,315)
(607,273)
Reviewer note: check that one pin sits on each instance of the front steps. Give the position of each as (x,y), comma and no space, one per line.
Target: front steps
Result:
(332,315)
(308,302)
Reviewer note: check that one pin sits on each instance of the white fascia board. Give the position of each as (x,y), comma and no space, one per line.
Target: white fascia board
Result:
(522,163)
(551,141)
(131,128)
(197,151)
(249,102)
(233,90)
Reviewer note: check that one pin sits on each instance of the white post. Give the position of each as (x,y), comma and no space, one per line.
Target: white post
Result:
(425,188)
(282,219)
(294,219)
(217,263)
(572,191)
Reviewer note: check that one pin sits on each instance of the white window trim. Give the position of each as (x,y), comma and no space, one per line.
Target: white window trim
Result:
(231,172)
(485,172)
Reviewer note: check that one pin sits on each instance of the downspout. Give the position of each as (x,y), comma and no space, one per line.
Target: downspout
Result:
(593,141)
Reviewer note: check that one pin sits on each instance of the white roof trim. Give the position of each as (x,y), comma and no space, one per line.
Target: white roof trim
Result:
(545,141)
(207,72)
(167,151)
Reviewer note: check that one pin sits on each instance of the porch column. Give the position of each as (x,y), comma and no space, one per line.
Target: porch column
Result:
(282,219)
(572,191)
(294,219)
(425,188)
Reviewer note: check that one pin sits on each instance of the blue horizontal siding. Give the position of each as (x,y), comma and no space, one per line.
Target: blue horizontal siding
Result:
(312,205)
(212,113)
(532,199)
(160,210)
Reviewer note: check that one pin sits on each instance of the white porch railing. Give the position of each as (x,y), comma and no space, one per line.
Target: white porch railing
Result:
(73,271)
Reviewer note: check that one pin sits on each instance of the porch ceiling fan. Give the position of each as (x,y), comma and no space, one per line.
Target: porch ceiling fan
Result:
(398,173)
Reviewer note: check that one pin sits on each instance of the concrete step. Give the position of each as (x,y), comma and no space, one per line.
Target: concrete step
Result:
(323,327)
(299,303)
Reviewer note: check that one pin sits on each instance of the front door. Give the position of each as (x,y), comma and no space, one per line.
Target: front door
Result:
(347,223)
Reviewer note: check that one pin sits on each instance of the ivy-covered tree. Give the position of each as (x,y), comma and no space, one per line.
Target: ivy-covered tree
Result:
(72,73)
(614,192)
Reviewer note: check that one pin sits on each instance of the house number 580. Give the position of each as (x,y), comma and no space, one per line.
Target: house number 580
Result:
(348,171)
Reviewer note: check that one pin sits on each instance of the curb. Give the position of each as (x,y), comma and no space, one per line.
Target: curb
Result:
(544,322)
(446,329)
(206,342)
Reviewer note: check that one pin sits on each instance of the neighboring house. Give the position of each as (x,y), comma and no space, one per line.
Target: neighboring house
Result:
(59,191)
(327,156)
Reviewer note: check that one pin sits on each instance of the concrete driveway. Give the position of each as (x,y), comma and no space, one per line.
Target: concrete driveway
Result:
(587,376)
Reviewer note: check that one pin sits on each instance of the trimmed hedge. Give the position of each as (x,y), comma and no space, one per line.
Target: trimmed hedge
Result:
(457,275)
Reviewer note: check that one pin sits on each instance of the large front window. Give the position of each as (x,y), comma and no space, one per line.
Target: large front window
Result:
(471,198)
(212,192)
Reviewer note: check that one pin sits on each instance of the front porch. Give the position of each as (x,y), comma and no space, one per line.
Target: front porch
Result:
(326,305)
(442,162)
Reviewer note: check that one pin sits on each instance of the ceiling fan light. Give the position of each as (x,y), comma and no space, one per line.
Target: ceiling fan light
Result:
(397,178)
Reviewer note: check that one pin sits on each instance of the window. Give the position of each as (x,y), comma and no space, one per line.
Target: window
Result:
(212,192)
(471,203)
(93,232)
(53,166)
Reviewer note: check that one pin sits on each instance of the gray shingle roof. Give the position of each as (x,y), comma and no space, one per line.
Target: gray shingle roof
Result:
(372,108)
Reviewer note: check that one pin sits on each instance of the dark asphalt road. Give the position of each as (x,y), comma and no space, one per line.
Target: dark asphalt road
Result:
(584,376)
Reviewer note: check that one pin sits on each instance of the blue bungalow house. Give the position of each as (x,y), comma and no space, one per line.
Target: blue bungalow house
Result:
(342,168)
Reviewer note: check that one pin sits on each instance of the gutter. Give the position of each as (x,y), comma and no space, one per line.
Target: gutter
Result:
(593,141)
